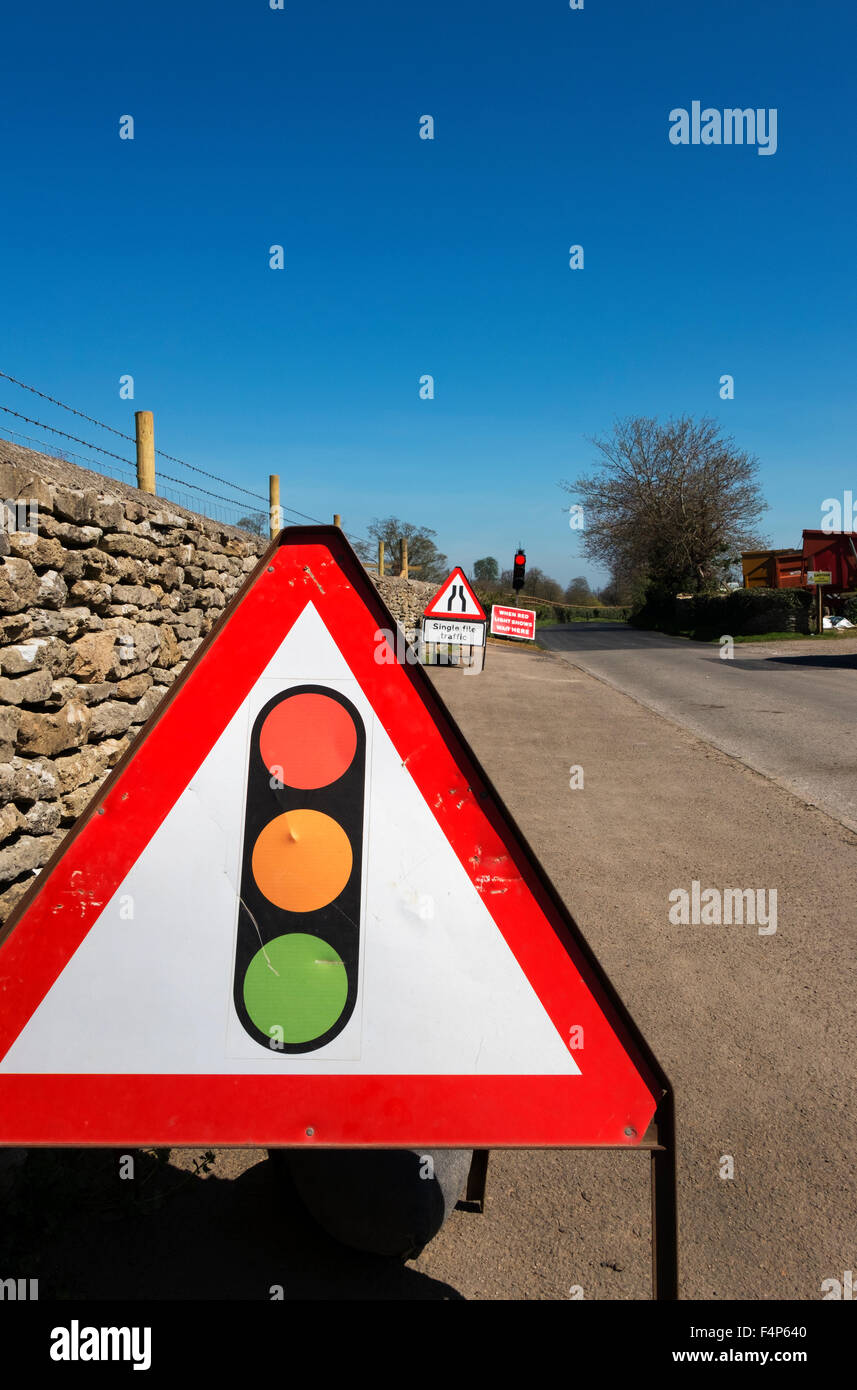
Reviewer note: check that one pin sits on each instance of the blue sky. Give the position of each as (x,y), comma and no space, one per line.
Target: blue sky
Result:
(450,257)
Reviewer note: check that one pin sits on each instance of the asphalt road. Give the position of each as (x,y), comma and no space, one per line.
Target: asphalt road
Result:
(787,709)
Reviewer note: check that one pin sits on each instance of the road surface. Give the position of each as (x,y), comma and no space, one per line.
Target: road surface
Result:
(787,709)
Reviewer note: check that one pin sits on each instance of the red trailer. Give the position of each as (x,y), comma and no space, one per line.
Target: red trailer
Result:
(834,551)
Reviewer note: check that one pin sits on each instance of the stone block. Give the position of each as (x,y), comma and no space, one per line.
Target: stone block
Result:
(19,584)
(93,593)
(135,594)
(71,535)
(93,656)
(53,590)
(169,651)
(134,686)
(24,657)
(111,718)
(149,703)
(25,854)
(138,547)
(65,622)
(11,821)
(41,552)
(42,818)
(73,504)
(107,514)
(28,779)
(26,690)
(10,720)
(53,733)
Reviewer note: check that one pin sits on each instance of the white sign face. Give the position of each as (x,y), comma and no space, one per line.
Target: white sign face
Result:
(819,577)
(448,630)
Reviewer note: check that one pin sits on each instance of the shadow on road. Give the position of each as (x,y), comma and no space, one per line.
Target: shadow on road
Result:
(831,660)
(84,1233)
(622,636)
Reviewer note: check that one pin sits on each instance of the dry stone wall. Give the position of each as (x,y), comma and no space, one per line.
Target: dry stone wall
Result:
(105,593)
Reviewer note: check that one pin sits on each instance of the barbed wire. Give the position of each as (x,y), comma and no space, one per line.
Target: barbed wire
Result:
(53,429)
(130,438)
(196,487)
(126,463)
(168,476)
(295,512)
(65,454)
(202,472)
(63,406)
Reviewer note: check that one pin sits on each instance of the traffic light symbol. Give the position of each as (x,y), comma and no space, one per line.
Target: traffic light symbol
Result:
(298,947)
(519,570)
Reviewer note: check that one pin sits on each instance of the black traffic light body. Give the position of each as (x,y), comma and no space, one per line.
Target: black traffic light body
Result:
(519,569)
(298,937)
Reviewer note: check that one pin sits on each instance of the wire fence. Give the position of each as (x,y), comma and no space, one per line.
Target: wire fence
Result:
(186,493)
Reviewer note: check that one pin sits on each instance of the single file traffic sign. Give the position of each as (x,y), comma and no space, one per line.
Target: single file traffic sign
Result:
(298,913)
(455,599)
(455,630)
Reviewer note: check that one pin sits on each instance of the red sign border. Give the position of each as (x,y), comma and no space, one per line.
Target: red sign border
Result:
(457,573)
(467,1111)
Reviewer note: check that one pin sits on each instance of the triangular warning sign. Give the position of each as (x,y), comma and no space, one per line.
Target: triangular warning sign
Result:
(455,598)
(297,912)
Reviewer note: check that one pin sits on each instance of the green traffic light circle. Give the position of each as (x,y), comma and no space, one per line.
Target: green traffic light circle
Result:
(295,988)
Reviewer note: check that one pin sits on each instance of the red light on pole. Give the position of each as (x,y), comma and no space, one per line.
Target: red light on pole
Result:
(519,569)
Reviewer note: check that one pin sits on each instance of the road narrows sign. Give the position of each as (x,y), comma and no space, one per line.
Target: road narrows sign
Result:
(298,913)
(455,599)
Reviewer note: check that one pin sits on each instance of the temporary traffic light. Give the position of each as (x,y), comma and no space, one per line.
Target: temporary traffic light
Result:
(519,570)
(296,961)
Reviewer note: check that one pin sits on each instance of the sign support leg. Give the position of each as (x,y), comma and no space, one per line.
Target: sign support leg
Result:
(477,1178)
(664,1206)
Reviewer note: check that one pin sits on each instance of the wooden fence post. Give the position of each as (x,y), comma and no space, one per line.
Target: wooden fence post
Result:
(381,559)
(145,450)
(276,521)
(337,520)
(404,557)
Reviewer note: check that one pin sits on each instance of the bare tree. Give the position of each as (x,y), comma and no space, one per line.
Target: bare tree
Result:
(672,504)
(257,522)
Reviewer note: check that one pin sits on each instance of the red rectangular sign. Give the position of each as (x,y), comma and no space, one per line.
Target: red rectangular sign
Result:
(513,622)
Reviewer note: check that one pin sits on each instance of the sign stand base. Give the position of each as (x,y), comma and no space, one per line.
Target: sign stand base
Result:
(659,1139)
